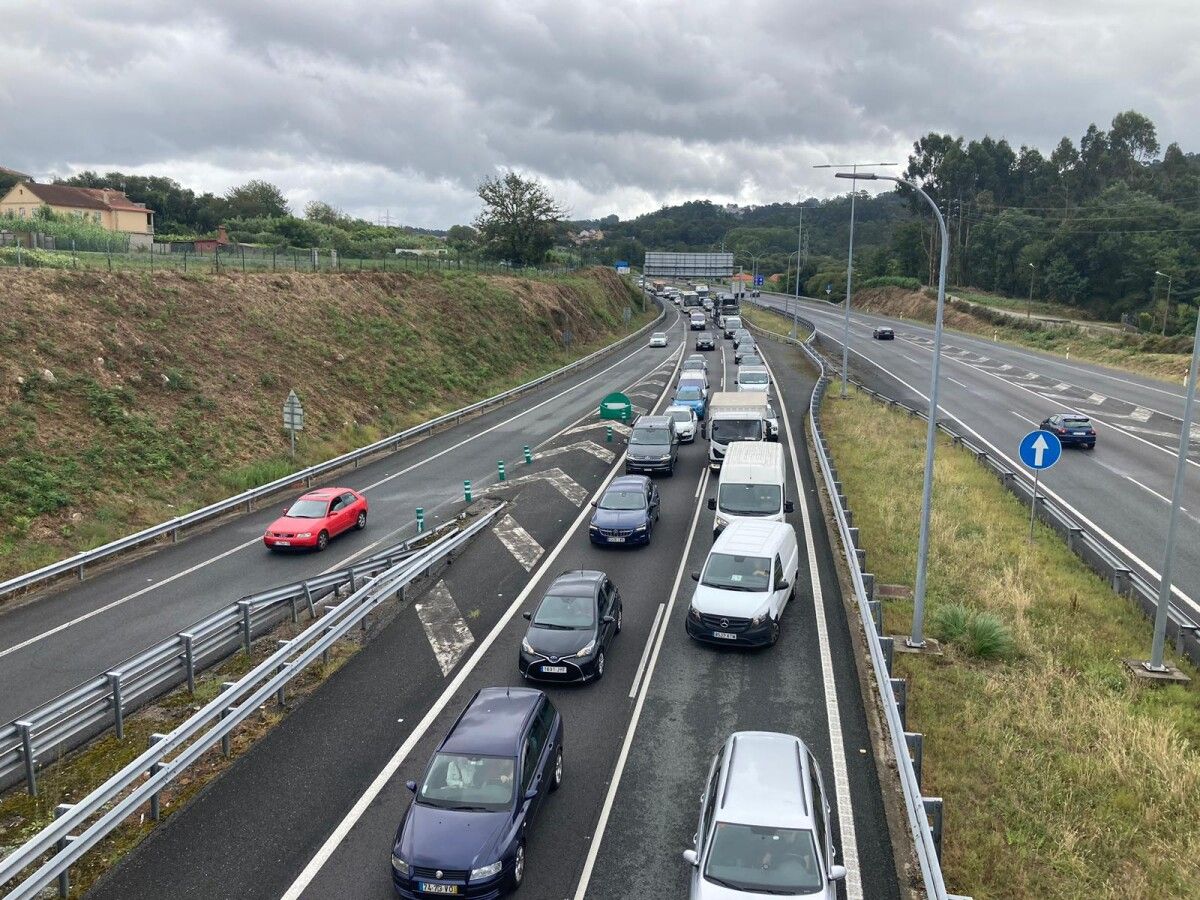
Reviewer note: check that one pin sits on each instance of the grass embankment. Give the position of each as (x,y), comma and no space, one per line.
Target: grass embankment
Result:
(770,320)
(165,393)
(1145,354)
(1062,777)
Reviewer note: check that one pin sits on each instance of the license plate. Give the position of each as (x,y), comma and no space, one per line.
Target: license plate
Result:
(283,543)
(616,540)
(555,670)
(725,635)
(1079,433)
(428,888)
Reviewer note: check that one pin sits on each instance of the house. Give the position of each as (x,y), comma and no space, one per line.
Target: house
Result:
(110,209)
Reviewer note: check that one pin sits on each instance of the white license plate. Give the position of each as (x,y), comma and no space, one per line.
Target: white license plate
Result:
(438,888)
(555,670)
(1079,433)
(616,540)
(283,543)
(725,635)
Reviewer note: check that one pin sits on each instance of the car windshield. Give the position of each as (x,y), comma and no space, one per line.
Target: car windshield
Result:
(689,392)
(659,336)
(752,378)
(565,612)
(750,499)
(705,336)
(459,781)
(623,498)
(308,509)
(644,436)
(765,860)
(682,416)
(690,364)
(725,430)
(737,573)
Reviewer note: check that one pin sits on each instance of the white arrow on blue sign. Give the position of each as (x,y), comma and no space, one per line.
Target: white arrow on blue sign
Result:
(1040,449)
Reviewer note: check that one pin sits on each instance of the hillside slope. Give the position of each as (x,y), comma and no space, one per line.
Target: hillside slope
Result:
(129,399)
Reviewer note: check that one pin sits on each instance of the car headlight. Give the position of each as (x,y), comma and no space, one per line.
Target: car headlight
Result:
(527,647)
(487,871)
(306,534)
(400,865)
(593,527)
(694,614)
(720,522)
(665,457)
(759,620)
(641,527)
(587,650)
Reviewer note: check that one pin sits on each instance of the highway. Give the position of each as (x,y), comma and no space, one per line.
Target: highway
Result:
(998,393)
(311,810)
(51,643)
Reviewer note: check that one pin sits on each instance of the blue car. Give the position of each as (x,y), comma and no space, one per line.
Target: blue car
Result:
(626,513)
(464,833)
(693,396)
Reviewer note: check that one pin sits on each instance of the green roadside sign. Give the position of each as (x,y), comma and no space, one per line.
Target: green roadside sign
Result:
(616,406)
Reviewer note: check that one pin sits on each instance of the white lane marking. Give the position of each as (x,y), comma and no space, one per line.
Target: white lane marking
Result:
(910,359)
(649,395)
(520,543)
(445,627)
(560,480)
(1020,471)
(63,626)
(326,850)
(601,453)
(959,383)
(1165,499)
(637,675)
(617,427)
(1023,419)
(837,743)
(615,782)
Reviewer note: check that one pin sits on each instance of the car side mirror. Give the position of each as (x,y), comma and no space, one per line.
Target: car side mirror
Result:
(837,873)
(411,785)
(593,503)
(608,620)
(531,794)
(527,615)
(712,503)
(695,576)
(782,584)
(789,506)
(689,857)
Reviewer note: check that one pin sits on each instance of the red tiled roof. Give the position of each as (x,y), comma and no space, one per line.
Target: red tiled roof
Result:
(83,198)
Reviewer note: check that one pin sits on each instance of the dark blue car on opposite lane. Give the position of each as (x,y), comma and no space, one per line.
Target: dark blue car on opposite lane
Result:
(464,833)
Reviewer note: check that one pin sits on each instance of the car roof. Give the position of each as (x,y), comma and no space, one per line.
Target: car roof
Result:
(324,493)
(629,482)
(653,422)
(751,369)
(493,722)
(678,408)
(577,582)
(765,781)
(751,537)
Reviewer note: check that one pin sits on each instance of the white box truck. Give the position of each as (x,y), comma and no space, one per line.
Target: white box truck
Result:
(735,416)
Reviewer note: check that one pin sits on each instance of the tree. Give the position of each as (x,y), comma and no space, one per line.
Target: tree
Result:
(518,219)
(462,238)
(319,211)
(256,199)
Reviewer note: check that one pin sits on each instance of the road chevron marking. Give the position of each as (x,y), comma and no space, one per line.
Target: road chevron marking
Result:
(520,543)
(445,627)
(601,453)
(566,485)
(618,427)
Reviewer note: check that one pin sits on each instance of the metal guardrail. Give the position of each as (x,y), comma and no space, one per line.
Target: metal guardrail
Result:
(173,527)
(907,747)
(42,735)
(80,826)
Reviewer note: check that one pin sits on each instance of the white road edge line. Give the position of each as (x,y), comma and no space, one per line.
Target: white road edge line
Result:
(837,743)
(589,864)
(375,788)
(637,675)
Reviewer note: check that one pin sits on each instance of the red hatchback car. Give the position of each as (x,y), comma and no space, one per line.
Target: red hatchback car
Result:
(316,517)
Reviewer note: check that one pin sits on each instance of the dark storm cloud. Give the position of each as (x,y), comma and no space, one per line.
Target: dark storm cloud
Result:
(620,106)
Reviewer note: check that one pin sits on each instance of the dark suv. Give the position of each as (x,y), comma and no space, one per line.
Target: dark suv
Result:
(653,446)
(464,833)
(705,341)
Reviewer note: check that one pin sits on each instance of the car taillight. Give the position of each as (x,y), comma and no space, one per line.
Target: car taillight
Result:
(1061,430)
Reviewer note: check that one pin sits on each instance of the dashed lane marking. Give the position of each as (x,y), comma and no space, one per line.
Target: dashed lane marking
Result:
(445,627)
(520,543)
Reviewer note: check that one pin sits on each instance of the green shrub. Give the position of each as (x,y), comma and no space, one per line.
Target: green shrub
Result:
(988,638)
(950,622)
(910,284)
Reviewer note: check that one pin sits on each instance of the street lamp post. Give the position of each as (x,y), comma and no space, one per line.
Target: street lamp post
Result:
(849,263)
(917,638)
(1167,308)
(1029,306)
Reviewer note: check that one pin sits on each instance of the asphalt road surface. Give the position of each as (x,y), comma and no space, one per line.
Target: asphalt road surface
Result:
(312,809)
(85,628)
(1120,490)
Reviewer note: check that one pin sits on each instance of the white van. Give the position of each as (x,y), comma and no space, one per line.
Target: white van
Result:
(751,485)
(753,378)
(747,580)
(731,324)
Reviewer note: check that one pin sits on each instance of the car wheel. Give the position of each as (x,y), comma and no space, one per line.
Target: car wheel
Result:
(600,666)
(518,872)
(322,541)
(361,523)
(774,632)
(556,781)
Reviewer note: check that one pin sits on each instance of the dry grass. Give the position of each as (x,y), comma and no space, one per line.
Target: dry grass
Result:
(770,320)
(1062,778)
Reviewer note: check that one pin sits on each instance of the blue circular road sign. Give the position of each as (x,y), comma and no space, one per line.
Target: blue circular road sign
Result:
(1040,449)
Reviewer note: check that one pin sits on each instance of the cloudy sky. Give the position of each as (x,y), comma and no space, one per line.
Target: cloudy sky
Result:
(620,106)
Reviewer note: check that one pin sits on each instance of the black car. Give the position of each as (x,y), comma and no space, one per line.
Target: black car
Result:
(572,628)
(626,513)
(653,446)
(883,334)
(705,341)
(1071,429)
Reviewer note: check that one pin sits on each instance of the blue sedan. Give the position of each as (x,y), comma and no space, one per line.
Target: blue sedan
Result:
(626,513)
(693,396)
